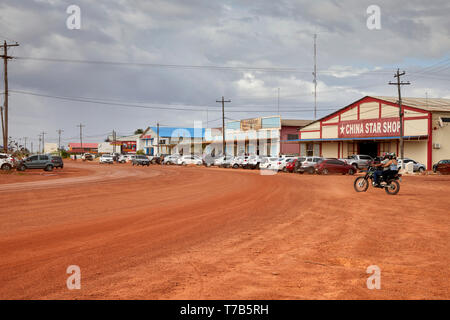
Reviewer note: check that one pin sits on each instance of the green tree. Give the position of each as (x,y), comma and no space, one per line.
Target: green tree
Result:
(139,131)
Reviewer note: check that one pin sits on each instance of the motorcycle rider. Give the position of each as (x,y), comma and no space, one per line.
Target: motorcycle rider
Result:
(391,165)
(380,168)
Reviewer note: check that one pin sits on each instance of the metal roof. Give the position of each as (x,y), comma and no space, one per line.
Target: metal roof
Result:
(295,123)
(428,104)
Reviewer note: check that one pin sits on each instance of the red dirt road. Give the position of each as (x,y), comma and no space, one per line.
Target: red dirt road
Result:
(168,232)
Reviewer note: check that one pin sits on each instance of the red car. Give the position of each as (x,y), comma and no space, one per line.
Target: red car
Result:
(327,166)
(290,166)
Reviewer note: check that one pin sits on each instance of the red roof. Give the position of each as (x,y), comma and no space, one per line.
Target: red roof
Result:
(85,145)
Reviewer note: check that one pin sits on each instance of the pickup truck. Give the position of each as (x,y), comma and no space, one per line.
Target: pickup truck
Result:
(359,161)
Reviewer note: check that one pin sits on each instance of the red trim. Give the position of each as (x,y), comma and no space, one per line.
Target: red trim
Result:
(320,132)
(430,144)
(415,118)
(398,142)
(310,131)
(320,148)
(359,112)
(379,108)
(330,124)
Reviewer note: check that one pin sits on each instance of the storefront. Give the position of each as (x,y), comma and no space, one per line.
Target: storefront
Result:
(271,136)
(371,126)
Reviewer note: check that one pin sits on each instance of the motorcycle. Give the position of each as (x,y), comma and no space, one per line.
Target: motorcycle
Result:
(391,185)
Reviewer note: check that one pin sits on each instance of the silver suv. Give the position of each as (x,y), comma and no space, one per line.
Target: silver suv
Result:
(41,161)
(308,163)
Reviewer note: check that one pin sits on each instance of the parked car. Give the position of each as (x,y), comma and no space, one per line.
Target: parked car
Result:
(41,161)
(58,162)
(237,162)
(284,162)
(359,161)
(418,167)
(7,162)
(223,162)
(122,158)
(327,166)
(442,167)
(272,163)
(292,164)
(115,156)
(87,157)
(171,159)
(308,164)
(126,158)
(253,162)
(106,158)
(140,160)
(190,159)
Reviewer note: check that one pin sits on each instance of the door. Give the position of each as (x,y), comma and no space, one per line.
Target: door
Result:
(32,162)
(42,161)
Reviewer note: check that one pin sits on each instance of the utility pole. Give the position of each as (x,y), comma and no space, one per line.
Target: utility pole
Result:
(114,141)
(25,144)
(43,141)
(59,140)
(223,123)
(399,83)
(157,138)
(315,77)
(39,149)
(31,151)
(5,116)
(81,136)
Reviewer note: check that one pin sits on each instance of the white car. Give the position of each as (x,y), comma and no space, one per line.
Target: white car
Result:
(190,159)
(238,161)
(7,162)
(126,158)
(253,162)
(223,161)
(172,159)
(272,163)
(416,165)
(106,158)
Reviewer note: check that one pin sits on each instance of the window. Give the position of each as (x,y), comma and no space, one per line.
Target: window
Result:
(162,141)
(2,156)
(365,158)
(292,136)
(44,158)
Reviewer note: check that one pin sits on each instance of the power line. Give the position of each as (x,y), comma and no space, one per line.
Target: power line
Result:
(84,100)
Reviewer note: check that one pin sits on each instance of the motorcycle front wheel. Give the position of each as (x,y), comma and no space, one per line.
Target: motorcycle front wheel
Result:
(361,184)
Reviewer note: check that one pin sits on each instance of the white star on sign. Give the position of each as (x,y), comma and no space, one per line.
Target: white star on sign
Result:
(342,128)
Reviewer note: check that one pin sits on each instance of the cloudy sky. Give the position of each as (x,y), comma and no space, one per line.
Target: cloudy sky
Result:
(144,61)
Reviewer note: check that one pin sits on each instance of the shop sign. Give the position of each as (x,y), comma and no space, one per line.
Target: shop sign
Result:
(251,124)
(385,127)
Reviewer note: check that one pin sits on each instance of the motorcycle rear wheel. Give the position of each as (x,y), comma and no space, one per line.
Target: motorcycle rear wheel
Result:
(392,188)
(361,184)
